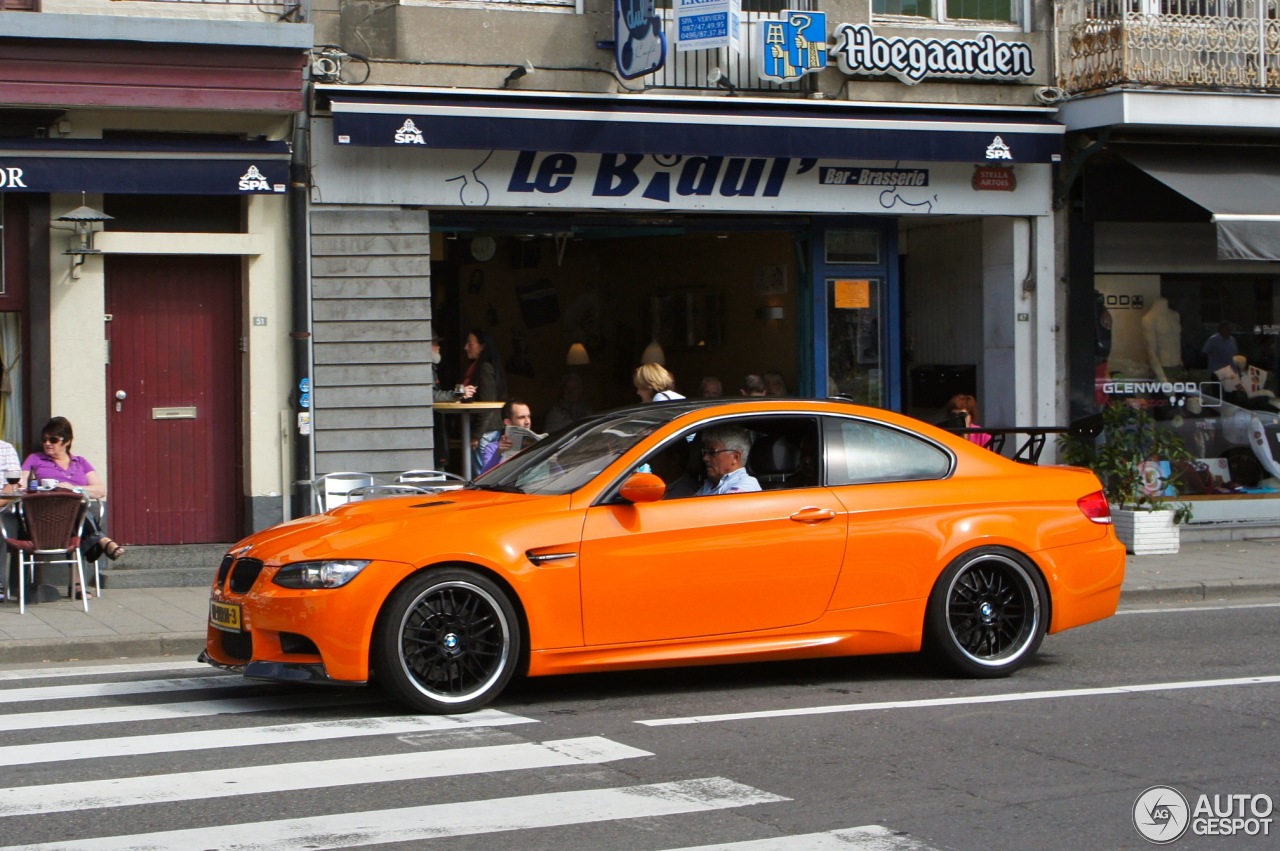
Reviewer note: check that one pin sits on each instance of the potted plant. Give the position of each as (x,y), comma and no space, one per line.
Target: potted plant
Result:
(1133,456)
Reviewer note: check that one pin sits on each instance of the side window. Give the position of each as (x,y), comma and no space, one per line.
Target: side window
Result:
(860,452)
(784,453)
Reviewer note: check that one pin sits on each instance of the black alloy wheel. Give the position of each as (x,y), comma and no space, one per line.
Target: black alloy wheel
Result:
(448,641)
(987,613)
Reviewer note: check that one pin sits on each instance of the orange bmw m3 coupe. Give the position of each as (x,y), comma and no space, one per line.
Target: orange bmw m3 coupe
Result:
(858,531)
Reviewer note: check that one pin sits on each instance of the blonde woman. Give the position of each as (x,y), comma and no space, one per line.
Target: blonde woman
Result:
(654,384)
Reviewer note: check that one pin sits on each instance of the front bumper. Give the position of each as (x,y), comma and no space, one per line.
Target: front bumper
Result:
(296,635)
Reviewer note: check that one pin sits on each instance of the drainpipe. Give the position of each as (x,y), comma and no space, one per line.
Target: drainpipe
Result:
(300,302)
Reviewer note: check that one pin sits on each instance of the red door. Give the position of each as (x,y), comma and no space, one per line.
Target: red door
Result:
(172,394)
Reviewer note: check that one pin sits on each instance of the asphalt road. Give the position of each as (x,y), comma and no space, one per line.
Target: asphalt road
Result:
(727,757)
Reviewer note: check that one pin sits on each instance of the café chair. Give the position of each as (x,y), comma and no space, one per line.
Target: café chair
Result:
(334,489)
(53,521)
(431,479)
(375,491)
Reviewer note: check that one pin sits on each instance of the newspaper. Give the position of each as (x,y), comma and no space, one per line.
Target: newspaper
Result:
(519,437)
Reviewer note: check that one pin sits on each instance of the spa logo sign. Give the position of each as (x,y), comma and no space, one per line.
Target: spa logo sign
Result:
(860,52)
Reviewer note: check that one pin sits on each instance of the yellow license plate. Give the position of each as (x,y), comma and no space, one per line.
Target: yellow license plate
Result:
(225,616)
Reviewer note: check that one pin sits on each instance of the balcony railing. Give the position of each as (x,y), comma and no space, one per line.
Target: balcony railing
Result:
(740,72)
(1217,44)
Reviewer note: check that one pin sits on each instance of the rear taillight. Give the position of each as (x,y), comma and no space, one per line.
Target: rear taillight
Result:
(1095,507)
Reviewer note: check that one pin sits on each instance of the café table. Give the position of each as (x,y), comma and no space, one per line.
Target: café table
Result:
(465,408)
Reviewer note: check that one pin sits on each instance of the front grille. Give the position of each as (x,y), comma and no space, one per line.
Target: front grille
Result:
(225,567)
(237,645)
(244,574)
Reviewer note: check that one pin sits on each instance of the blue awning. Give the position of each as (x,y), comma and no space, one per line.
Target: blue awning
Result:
(432,119)
(135,168)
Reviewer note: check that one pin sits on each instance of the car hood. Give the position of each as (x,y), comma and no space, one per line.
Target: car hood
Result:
(405,529)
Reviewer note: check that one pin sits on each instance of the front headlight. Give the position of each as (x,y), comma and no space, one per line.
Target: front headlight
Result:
(319,574)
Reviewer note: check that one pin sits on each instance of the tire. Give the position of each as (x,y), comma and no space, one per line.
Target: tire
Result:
(447,641)
(987,614)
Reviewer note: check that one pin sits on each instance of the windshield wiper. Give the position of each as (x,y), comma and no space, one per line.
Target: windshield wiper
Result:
(499,488)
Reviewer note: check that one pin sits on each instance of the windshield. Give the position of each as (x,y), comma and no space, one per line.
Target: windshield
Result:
(567,461)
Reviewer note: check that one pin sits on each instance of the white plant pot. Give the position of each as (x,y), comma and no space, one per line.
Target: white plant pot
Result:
(1146,533)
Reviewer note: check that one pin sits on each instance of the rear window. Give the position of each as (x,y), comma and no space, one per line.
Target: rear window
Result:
(861,452)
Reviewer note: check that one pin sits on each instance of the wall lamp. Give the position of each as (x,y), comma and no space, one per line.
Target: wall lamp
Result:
(518,72)
(85,222)
(577,355)
(716,77)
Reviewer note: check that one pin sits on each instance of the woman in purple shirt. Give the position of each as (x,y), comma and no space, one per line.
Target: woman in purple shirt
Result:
(72,472)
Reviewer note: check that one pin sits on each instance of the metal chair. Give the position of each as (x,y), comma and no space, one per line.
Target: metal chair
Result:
(334,489)
(376,491)
(53,520)
(431,479)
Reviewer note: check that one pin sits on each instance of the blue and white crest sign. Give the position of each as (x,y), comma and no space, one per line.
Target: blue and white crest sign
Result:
(793,46)
(639,45)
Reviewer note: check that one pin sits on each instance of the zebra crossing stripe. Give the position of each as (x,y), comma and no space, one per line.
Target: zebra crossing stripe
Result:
(317,774)
(251,737)
(101,715)
(98,670)
(871,837)
(435,821)
(71,692)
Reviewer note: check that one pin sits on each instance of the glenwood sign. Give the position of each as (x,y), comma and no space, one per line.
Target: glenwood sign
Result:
(859,51)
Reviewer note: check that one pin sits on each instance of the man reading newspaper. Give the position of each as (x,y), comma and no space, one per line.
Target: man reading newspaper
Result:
(517,433)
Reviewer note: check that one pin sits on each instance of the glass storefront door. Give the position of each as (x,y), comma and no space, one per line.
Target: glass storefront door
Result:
(857,315)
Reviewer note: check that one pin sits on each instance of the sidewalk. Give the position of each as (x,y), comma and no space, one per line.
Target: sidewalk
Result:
(148,622)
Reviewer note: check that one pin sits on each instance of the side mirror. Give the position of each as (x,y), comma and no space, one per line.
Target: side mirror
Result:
(643,487)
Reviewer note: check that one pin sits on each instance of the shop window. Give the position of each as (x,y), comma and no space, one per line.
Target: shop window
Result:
(1200,353)
(952,10)
(687,318)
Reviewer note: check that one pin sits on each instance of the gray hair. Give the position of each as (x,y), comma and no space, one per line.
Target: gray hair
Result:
(732,436)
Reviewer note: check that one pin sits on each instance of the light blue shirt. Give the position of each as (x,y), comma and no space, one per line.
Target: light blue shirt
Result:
(739,481)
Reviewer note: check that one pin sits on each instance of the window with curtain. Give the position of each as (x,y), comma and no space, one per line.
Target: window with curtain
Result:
(1004,11)
(11,379)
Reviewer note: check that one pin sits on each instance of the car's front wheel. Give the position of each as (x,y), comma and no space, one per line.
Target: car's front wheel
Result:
(987,614)
(448,641)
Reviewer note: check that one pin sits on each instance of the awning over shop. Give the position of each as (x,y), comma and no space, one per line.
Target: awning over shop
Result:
(1238,186)
(736,127)
(143,168)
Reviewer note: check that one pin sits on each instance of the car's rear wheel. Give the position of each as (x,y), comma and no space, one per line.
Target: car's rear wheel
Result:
(448,641)
(987,614)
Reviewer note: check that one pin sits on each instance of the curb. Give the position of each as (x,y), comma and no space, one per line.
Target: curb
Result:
(1230,589)
(187,644)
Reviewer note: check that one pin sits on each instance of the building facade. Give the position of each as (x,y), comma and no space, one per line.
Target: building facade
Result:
(1170,198)
(857,196)
(146,152)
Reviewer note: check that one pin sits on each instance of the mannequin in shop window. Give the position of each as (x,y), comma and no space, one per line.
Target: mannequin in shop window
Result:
(1162,328)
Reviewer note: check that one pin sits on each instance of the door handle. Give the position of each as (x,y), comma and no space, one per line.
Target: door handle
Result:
(813,514)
